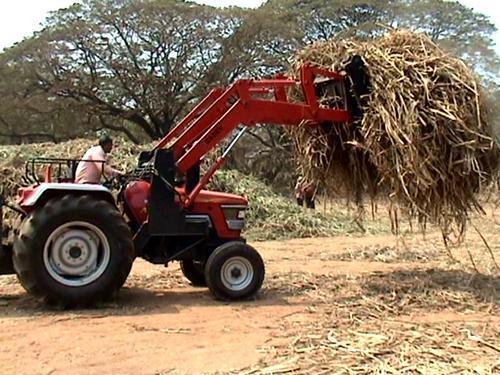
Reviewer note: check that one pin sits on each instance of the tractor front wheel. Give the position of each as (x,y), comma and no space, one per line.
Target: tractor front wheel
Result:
(73,251)
(234,271)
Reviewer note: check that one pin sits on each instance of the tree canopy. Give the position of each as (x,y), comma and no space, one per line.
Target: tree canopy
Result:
(137,66)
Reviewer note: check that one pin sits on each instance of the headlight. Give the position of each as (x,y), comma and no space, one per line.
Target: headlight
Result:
(235,216)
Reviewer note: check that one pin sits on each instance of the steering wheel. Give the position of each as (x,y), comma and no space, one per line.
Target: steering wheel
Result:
(115,182)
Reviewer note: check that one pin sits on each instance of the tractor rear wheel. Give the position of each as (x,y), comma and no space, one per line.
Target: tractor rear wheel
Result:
(73,251)
(234,271)
(194,272)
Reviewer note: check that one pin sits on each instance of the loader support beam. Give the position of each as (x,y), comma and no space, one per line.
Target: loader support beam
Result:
(197,111)
(248,102)
(212,136)
(198,127)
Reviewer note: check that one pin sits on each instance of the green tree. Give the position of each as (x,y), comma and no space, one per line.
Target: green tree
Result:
(455,27)
(324,19)
(29,117)
(493,99)
(137,66)
(139,61)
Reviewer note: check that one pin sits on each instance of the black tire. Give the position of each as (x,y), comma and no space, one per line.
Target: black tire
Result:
(36,271)
(194,272)
(243,257)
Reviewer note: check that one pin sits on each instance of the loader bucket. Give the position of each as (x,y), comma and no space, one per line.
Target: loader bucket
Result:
(350,93)
(358,86)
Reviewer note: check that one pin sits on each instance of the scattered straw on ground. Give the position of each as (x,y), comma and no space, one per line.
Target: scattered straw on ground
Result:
(424,320)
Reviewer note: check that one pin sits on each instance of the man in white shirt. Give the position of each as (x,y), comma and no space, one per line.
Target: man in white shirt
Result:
(94,164)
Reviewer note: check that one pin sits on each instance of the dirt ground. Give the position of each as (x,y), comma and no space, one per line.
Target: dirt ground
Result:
(329,305)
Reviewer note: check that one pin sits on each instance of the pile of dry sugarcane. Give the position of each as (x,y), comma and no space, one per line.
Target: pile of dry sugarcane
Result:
(423,138)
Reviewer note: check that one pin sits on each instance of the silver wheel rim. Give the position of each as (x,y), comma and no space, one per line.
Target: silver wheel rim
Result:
(76,253)
(236,273)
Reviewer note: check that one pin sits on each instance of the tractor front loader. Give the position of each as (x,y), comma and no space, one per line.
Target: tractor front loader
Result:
(76,243)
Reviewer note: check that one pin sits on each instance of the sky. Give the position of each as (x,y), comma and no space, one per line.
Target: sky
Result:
(20,18)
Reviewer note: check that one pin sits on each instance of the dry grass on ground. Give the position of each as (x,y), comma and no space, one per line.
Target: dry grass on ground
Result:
(339,305)
(434,315)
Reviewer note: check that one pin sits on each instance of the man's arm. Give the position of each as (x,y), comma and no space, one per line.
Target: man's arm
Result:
(102,164)
(110,172)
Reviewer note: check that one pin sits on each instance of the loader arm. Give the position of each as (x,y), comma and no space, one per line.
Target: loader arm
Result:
(248,102)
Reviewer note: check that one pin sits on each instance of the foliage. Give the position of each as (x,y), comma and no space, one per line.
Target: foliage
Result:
(142,61)
(317,20)
(137,66)
(456,28)
(272,216)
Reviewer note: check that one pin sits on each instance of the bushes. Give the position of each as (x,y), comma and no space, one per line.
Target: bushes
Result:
(273,216)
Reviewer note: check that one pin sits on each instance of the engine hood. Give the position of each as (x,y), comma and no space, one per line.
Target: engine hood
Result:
(215,197)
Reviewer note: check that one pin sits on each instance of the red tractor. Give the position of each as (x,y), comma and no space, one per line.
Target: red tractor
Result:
(76,243)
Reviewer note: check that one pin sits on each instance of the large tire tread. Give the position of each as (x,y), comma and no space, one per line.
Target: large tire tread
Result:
(214,264)
(33,226)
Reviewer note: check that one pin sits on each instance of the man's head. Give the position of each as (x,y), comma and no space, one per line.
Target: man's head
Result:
(106,143)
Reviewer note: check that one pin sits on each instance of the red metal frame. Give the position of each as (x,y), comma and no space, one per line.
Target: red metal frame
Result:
(248,102)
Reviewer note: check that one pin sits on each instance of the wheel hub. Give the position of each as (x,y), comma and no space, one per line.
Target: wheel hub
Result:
(237,273)
(76,253)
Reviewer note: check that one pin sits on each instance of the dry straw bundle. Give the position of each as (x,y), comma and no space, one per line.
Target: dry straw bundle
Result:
(423,137)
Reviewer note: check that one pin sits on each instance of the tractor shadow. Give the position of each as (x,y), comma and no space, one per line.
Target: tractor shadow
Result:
(134,301)
(395,292)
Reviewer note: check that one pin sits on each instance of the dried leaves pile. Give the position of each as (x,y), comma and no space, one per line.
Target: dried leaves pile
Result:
(270,215)
(13,158)
(423,139)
